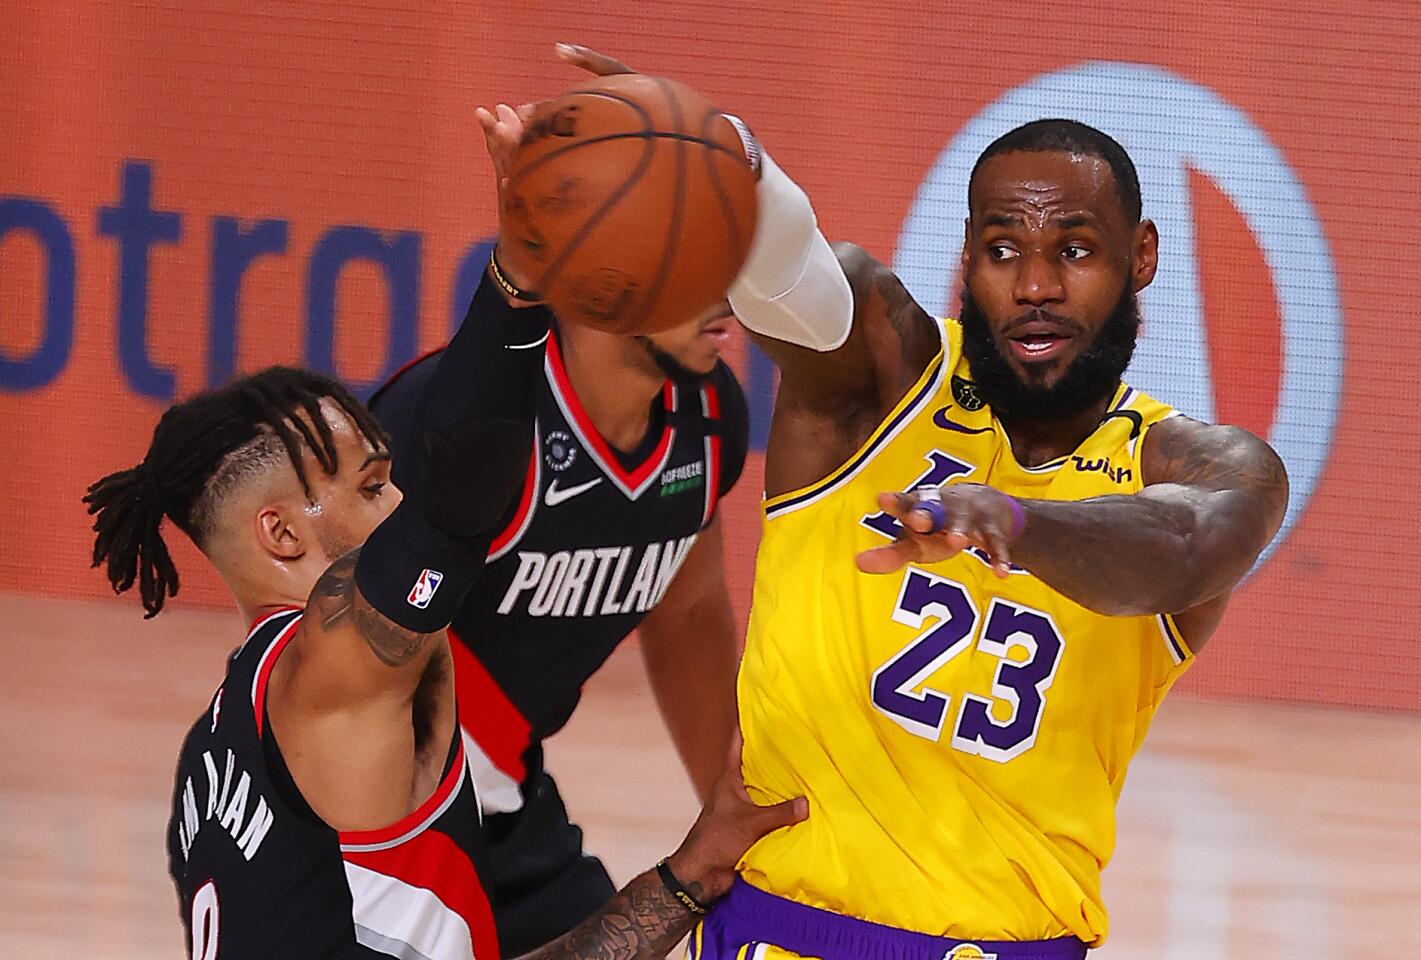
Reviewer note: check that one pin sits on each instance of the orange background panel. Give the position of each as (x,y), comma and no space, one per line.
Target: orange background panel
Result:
(324,114)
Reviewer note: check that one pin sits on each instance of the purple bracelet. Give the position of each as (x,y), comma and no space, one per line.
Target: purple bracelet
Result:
(1018,516)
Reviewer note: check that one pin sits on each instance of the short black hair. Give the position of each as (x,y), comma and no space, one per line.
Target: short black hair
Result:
(1070,136)
(201,448)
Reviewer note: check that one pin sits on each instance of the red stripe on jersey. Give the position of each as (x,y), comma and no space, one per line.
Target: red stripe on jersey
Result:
(274,612)
(630,478)
(517,526)
(268,661)
(485,711)
(434,862)
(711,400)
(405,828)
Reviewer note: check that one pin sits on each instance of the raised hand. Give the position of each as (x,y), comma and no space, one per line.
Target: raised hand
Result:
(939,522)
(585,58)
(503,128)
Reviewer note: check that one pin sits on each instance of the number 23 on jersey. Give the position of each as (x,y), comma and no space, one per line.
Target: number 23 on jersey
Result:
(1025,642)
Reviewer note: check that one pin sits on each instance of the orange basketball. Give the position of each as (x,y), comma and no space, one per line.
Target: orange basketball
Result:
(631,202)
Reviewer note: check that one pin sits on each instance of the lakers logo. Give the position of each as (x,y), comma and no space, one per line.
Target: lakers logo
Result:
(968,951)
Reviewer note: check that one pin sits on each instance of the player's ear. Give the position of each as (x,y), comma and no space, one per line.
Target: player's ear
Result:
(1144,259)
(966,241)
(278,536)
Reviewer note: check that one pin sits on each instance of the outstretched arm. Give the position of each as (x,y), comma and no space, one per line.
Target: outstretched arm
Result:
(1214,498)
(1217,499)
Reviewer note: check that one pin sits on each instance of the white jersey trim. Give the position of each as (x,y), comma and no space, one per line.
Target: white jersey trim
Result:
(405,921)
(414,831)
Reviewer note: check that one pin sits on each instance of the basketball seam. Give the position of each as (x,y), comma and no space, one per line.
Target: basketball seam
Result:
(732,223)
(631,135)
(673,228)
(587,227)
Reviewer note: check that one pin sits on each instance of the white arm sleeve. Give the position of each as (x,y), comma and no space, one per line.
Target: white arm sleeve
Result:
(791,287)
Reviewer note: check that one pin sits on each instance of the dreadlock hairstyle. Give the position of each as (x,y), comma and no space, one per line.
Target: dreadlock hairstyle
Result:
(201,444)
(1070,136)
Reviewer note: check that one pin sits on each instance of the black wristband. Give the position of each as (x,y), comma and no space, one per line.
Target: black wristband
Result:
(677,890)
(507,285)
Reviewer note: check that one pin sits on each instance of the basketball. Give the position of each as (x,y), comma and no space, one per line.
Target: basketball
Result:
(632,203)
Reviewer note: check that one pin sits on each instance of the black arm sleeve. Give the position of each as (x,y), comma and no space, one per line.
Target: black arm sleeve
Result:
(459,460)
(734,426)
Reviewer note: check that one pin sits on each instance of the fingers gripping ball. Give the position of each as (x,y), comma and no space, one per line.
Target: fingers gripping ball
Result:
(632,203)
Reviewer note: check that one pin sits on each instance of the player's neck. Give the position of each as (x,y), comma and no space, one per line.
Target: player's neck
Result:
(615,380)
(262,588)
(1036,442)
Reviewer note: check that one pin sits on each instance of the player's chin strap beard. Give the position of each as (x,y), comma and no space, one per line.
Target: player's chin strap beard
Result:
(670,366)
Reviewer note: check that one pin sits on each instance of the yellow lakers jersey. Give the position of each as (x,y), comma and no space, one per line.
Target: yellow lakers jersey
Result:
(962,739)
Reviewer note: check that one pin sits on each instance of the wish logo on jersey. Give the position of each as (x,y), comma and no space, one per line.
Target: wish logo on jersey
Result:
(1103,465)
(596,581)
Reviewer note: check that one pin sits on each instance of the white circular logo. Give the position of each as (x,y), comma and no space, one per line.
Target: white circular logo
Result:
(1170,126)
(559,450)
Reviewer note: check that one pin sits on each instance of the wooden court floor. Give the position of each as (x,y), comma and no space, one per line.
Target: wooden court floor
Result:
(1246,831)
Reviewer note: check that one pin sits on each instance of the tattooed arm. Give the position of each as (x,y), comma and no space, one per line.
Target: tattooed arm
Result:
(828,403)
(337,604)
(644,921)
(1214,498)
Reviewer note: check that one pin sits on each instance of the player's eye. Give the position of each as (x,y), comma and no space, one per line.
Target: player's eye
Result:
(1000,252)
(373,489)
(1075,251)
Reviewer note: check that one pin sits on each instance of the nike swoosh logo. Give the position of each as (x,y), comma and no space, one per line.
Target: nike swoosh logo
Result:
(940,418)
(554,496)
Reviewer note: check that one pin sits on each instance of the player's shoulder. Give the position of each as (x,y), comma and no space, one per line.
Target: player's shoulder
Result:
(403,386)
(1180,449)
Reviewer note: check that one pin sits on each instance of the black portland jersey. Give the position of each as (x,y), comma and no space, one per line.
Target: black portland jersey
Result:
(591,545)
(260,877)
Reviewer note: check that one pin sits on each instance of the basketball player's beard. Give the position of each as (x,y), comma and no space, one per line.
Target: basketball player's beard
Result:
(671,367)
(336,543)
(1091,377)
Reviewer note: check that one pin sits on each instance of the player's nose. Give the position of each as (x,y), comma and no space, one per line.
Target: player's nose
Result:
(1038,280)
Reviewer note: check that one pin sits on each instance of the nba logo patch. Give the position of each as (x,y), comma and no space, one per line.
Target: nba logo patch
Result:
(423,590)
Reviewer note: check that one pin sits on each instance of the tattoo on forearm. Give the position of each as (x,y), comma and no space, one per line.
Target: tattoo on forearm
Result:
(337,598)
(641,922)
